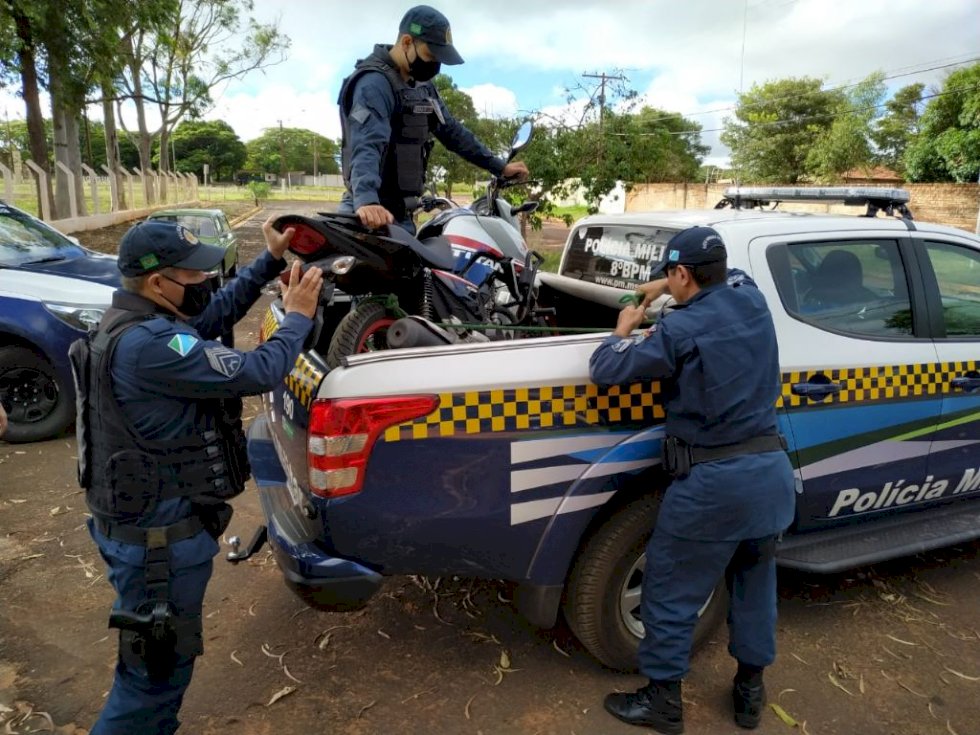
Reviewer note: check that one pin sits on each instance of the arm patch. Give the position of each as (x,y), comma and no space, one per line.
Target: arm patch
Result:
(224,361)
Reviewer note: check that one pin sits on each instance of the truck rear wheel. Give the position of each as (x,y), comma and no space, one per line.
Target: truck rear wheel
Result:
(602,600)
(363,329)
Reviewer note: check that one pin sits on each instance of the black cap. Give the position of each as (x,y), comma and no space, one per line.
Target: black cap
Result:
(429,25)
(150,246)
(693,246)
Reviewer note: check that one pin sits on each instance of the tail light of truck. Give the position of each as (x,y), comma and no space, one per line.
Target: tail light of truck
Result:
(343,431)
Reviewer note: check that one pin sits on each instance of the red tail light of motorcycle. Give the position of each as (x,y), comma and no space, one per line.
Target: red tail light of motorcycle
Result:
(306,240)
(343,432)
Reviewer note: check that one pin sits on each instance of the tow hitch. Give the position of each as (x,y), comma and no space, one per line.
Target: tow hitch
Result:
(258,540)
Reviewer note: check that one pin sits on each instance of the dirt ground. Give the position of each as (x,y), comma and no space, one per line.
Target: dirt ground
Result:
(892,649)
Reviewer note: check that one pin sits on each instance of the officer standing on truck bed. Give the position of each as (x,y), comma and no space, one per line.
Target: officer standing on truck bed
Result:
(389,111)
(716,359)
(161,446)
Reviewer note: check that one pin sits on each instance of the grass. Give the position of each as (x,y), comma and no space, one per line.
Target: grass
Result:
(574,212)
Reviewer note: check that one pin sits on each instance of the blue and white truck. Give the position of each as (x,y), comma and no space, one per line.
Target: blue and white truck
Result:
(502,459)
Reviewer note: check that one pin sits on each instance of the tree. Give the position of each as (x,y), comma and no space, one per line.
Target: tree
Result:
(215,143)
(947,147)
(776,124)
(846,144)
(175,62)
(291,149)
(895,130)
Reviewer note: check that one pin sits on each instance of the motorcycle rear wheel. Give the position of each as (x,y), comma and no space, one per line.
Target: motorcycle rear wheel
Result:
(363,329)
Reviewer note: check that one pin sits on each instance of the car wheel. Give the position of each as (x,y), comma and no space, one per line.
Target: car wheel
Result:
(38,406)
(602,600)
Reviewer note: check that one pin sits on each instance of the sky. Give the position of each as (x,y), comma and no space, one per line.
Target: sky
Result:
(687,56)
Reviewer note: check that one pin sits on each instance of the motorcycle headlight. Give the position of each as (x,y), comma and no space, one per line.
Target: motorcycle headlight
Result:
(84,318)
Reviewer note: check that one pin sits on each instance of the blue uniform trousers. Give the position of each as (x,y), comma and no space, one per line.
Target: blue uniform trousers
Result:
(680,575)
(135,704)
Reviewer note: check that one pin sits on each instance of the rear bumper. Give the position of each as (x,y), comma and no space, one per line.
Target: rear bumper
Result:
(322,581)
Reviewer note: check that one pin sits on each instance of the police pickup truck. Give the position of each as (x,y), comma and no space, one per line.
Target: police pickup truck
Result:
(502,460)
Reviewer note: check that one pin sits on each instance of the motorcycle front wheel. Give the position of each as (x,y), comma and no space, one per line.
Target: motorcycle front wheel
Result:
(363,329)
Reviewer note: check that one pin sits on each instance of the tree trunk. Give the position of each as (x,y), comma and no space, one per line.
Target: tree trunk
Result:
(62,209)
(75,158)
(164,160)
(35,118)
(143,136)
(112,140)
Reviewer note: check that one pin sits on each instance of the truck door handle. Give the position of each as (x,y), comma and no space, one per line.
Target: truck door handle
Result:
(968,382)
(816,390)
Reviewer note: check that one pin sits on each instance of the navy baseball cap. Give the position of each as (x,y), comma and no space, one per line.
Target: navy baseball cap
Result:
(429,25)
(693,246)
(149,246)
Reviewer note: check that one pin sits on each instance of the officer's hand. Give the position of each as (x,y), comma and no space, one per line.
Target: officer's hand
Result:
(374,216)
(3,421)
(302,296)
(515,170)
(276,242)
(630,318)
(652,291)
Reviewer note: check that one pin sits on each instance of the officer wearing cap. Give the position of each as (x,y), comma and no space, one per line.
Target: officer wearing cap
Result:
(389,111)
(161,447)
(731,491)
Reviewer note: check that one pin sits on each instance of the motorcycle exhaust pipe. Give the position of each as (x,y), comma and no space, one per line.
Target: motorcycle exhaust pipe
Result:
(414,331)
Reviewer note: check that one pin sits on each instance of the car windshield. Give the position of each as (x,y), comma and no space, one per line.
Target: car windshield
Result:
(25,240)
(200,224)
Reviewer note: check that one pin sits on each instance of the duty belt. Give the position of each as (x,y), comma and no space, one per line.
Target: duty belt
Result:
(679,457)
(153,537)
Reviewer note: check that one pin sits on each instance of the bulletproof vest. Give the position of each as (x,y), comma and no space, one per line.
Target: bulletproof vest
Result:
(125,475)
(407,151)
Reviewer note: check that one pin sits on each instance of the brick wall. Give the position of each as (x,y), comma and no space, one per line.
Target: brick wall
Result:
(949,204)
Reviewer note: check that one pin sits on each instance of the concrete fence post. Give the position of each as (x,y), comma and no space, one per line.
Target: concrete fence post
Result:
(113,189)
(44,205)
(93,185)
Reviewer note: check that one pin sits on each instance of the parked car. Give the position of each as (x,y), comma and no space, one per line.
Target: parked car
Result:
(52,290)
(503,460)
(212,228)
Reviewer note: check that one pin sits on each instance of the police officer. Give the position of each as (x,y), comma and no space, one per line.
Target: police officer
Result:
(716,359)
(389,111)
(161,447)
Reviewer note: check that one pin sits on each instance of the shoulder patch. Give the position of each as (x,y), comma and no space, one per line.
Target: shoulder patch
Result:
(224,361)
(182,343)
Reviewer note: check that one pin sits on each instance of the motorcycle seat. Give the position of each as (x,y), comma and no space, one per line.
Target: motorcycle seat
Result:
(437,252)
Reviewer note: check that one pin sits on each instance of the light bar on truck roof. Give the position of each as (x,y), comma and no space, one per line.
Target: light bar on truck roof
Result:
(875,198)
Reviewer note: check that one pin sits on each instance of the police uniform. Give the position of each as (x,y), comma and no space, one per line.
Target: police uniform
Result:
(388,124)
(161,450)
(732,491)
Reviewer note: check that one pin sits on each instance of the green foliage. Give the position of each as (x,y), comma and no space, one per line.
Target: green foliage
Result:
(894,130)
(260,190)
(775,126)
(199,142)
(846,145)
(947,147)
(280,150)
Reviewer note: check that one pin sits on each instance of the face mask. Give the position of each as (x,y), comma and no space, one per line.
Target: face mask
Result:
(197,296)
(422,70)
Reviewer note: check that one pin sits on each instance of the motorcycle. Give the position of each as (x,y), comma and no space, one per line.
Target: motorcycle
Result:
(466,271)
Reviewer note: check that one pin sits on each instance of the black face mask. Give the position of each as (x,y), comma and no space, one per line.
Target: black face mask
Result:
(422,70)
(197,296)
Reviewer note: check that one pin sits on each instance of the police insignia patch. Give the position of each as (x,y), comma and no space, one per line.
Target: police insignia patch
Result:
(182,344)
(224,361)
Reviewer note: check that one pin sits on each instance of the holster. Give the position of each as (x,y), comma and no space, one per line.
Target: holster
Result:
(676,457)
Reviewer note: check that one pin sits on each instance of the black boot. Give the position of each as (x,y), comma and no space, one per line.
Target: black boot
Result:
(657,705)
(748,696)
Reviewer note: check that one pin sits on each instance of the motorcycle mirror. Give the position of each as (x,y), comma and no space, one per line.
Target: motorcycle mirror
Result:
(522,137)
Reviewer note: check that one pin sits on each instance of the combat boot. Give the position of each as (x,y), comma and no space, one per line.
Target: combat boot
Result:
(657,705)
(748,696)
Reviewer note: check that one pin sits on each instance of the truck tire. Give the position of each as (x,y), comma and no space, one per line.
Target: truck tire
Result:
(38,406)
(599,610)
(363,329)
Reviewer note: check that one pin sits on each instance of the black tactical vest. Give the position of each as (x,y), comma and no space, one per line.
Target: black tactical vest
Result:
(407,152)
(124,475)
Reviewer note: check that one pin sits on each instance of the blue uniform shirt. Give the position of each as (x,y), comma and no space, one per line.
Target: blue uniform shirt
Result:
(162,367)
(370,133)
(718,365)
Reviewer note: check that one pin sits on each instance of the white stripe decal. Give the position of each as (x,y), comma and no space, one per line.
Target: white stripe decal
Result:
(527,479)
(527,451)
(535,509)
(875,454)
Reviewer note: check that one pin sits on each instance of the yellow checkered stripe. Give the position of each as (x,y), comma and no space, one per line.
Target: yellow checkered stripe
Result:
(269,324)
(878,383)
(548,407)
(303,380)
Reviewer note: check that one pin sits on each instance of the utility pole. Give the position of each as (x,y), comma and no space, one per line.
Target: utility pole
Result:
(314,160)
(603,77)
(282,155)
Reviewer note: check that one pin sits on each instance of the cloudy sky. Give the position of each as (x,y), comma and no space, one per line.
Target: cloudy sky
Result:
(681,55)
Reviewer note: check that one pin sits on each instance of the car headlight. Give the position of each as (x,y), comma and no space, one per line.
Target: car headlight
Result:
(84,318)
